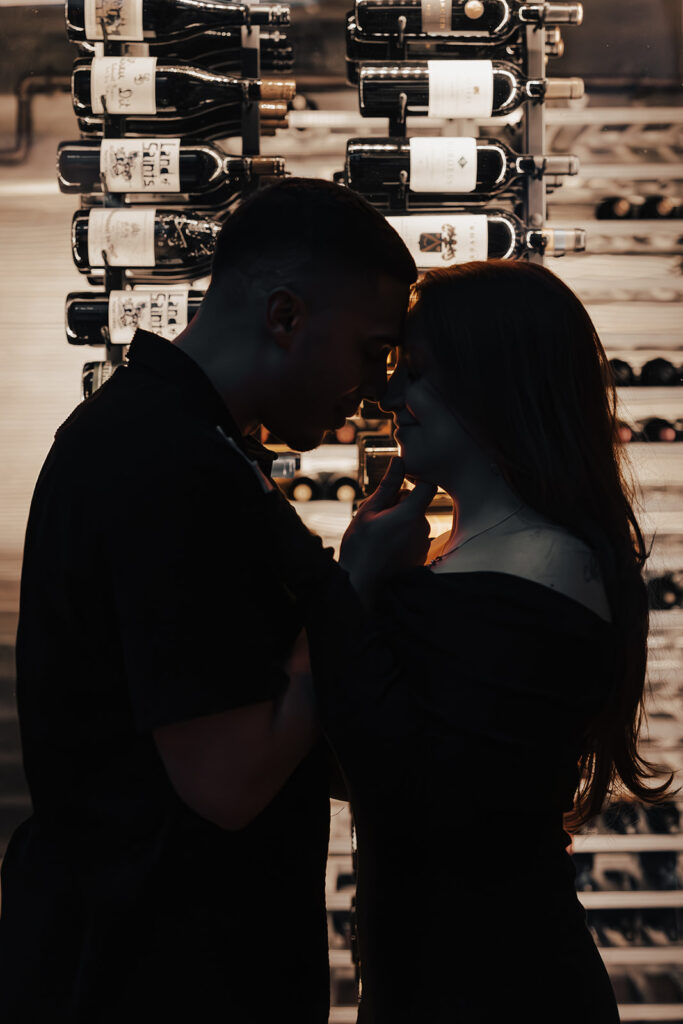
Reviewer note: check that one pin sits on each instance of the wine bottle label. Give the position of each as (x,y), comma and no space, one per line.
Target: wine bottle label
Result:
(128,85)
(460,88)
(435,241)
(437,17)
(162,311)
(141,165)
(443,165)
(122,19)
(127,237)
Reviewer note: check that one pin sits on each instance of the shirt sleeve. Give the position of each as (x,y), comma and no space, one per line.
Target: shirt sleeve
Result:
(192,588)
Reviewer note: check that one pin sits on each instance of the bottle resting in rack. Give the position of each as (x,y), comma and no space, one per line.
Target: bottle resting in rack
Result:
(164,311)
(444,238)
(211,52)
(454,88)
(360,50)
(143,20)
(218,122)
(139,85)
(93,376)
(437,169)
(157,165)
(660,373)
(176,243)
(491,20)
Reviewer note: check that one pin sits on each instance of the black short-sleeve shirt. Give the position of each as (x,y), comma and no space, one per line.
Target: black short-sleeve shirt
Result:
(144,603)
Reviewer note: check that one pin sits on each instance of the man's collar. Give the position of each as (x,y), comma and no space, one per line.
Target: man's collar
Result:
(170,362)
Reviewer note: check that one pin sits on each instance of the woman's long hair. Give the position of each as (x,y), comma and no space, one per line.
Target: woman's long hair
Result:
(529,379)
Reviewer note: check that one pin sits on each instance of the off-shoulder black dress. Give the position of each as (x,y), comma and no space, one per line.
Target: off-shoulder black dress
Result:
(456,716)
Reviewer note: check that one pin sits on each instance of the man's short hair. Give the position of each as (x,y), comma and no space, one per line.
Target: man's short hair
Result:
(311,226)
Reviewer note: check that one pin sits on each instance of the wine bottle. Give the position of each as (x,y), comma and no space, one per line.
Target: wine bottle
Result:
(491,20)
(214,51)
(657,429)
(361,48)
(622,373)
(93,376)
(164,311)
(614,208)
(660,373)
(663,593)
(157,165)
(140,20)
(220,122)
(340,487)
(660,208)
(173,242)
(436,170)
(305,488)
(454,88)
(441,239)
(139,85)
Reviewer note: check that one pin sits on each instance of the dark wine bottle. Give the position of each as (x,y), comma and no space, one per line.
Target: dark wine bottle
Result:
(164,311)
(660,373)
(614,208)
(492,20)
(655,428)
(362,49)
(211,52)
(306,488)
(663,593)
(157,165)
(93,376)
(660,208)
(219,122)
(441,239)
(454,88)
(622,372)
(436,170)
(139,85)
(142,20)
(173,242)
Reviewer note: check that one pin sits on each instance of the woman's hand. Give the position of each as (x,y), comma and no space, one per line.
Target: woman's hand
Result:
(389,532)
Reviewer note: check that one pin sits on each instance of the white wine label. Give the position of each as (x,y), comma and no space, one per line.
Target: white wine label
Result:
(141,165)
(127,237)
(437,16)
(162,311)
(128,85)
(122,19)
(437,240)
(443,165)
(460,88)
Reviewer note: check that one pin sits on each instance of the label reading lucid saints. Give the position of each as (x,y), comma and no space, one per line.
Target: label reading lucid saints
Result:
(437,17)
(128,85)
(122,19)
(443,165)
(460,88)
(162,311)
(436,241)
(141,165)
(127,237)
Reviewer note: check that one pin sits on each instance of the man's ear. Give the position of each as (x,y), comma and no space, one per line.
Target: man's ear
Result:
(285,313)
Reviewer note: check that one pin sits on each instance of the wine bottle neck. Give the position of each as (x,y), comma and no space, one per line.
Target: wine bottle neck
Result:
(539,165)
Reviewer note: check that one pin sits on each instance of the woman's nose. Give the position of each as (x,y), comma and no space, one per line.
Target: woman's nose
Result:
(393,400)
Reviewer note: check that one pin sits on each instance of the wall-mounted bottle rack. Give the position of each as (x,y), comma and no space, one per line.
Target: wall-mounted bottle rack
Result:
(152,95)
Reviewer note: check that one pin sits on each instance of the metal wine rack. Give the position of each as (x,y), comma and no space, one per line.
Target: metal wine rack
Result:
(114,125)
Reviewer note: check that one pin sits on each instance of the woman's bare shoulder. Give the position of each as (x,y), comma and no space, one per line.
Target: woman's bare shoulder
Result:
(546,554)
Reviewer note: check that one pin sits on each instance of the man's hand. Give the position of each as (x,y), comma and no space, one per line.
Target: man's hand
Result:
(389,531)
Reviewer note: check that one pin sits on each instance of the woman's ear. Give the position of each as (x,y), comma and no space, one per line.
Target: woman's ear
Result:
(285,313)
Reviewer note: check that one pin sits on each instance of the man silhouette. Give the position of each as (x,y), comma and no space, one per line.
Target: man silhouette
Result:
(174,864)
